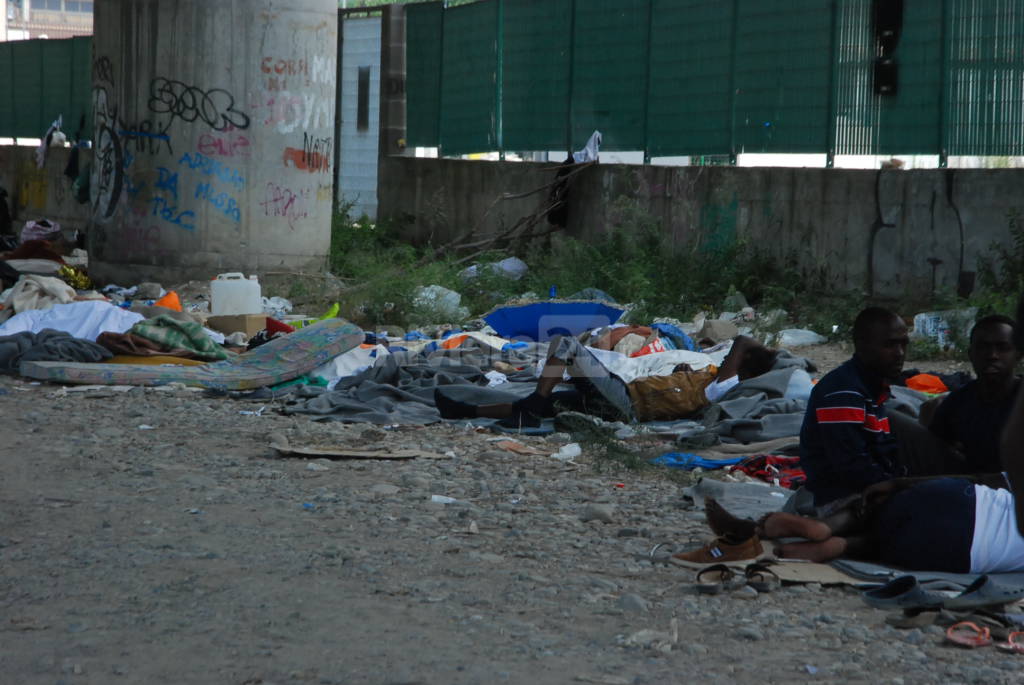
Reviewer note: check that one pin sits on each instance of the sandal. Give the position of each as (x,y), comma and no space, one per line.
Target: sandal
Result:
(761,578)
(1014,642)
(713,579)
(968,634)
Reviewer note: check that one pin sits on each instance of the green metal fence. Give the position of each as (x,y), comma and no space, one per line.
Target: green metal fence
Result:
(41,80)
(715,77)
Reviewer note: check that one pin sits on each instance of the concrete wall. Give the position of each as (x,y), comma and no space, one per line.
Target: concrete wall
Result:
(45,193)
(869,230)
(214,137)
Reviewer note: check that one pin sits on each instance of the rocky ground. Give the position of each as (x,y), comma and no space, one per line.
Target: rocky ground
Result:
(153,536)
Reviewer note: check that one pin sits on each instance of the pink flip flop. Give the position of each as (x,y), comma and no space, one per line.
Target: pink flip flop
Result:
(1014,643)
(969,635)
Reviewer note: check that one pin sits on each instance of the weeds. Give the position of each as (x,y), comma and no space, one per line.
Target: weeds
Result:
(635,262)
(1001,276)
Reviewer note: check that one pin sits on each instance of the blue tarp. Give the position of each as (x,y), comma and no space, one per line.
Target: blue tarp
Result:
(540,321)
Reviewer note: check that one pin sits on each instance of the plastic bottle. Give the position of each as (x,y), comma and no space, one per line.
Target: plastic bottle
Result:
(553,292)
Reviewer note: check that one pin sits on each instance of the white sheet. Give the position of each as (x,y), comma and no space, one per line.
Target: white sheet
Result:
(84,320)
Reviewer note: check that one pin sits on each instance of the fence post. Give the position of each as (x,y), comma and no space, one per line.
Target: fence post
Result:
(647,84)
(499,80)
(337,110)
(944,84)
(830,154)
(572,71)
(440,83)
(732,82)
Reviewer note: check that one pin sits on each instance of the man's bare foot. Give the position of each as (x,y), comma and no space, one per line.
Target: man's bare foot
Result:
(785,525)
(723,524)
(820,552)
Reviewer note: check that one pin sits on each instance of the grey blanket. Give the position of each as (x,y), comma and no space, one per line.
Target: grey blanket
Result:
(399,388)
(47,346)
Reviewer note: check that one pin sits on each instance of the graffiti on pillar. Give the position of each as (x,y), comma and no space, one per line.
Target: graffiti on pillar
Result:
(214,107)
(172,214)
(315,154)
(144,138)
(287,111)
(219,197)
(224,144)
(286,203)
(301,73)
(167,181)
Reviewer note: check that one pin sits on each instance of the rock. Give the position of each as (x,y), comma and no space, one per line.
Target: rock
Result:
(313,466)
(604,513)
(149,291)
(795,337)
(385,489)
(634,602)
(745,592)
(915,637)
(750,633)
(627,533)
(734,301)
(717,330)
(604,584)
(373,435)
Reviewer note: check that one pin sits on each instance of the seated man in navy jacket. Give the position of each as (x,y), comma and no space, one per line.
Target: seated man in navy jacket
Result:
(972,418)
(848,441)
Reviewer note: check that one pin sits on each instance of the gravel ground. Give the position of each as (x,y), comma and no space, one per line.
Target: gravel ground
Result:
(153,536)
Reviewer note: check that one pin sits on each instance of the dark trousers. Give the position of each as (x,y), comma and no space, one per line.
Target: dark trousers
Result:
(921,452)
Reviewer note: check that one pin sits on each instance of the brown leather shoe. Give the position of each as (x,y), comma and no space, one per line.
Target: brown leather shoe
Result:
(719,551)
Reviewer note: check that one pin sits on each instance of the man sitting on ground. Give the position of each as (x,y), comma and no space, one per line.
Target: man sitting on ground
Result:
(848,441)
(605,395)
(971,418)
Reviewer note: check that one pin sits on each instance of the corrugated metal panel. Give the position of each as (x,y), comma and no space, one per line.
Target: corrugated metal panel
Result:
(6,90)
(909,121)
(468,90)
(81,87)
(986,78)
(714,76)
(27,89)
(782,75)
(856,105)
(41,80)
(358,171)
(690,107)
(57,82)
(423,36)
(609,73)
(535,94)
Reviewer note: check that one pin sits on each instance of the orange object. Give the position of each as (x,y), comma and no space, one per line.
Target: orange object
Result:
(453,341)
(650,348)
(169,301)
(926,382)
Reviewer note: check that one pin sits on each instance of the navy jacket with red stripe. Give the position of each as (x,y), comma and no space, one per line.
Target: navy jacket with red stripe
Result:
(845,441)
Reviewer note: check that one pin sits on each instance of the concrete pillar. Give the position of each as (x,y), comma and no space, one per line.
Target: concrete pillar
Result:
(214,136)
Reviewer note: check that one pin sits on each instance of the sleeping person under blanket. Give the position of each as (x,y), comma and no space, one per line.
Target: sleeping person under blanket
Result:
(599,392)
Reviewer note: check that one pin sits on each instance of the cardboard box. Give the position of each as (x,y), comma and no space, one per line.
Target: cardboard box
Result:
(250,324)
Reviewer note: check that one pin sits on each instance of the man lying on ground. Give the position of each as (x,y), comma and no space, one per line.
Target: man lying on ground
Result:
(971,418)
(937,524)
(848,441)
(1012,445)
(600,393)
